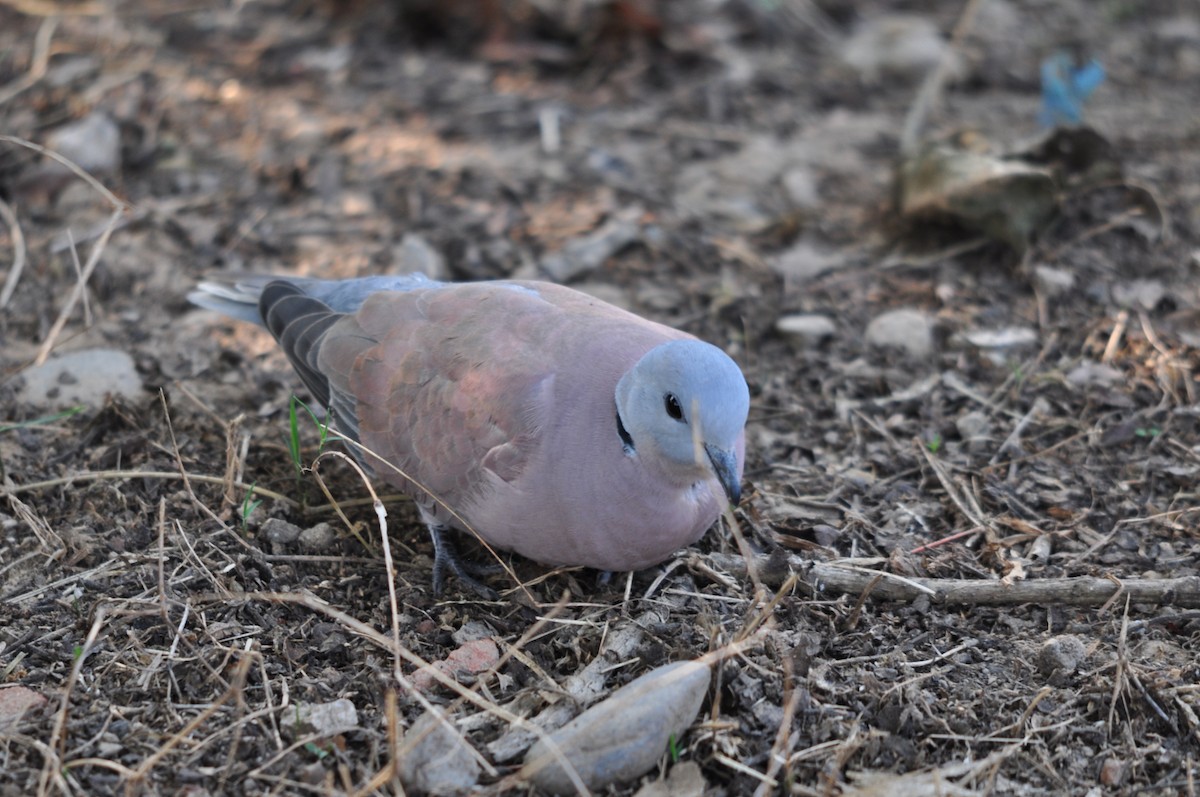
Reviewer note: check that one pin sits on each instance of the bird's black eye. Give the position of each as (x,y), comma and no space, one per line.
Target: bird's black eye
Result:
(672,405)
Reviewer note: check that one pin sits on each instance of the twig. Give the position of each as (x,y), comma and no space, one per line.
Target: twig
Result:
(234,692)
(961,498)
(1011,443)
(49,8)
(58,734)
(106,475)
(1114,340)
(18,264)
(823,578)
(1122,663)
(931,89)
(38,64)
(785,737)
(80,285)
(74,167)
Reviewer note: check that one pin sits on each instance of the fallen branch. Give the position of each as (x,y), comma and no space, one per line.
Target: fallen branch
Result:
(821,578)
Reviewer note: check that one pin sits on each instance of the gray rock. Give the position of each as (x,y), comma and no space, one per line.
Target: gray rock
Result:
(1145,294)
(436,760)
(589,252)
(280,532)
(326,719)
(906,329)
(623,736)
(81,377)
(1053,282)
(807,329)
(904,46)
(801,187)
(1061,655)
(1006,338)
(1090,372)
(975,428)
(416,254)
(93,143)
(320,537)
(806,261)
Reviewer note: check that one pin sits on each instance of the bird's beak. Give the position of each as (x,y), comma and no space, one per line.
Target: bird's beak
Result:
(724,464)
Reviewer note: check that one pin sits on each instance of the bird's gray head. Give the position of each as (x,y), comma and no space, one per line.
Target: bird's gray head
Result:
(684,404)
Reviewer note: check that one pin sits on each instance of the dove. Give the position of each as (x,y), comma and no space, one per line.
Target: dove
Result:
(550,423)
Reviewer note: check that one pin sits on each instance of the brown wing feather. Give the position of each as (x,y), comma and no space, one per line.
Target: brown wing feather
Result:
(306,329)
(448,390)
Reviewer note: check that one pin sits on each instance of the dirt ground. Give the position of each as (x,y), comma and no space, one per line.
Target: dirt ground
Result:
(964,563)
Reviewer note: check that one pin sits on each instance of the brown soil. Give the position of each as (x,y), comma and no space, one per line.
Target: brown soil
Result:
(173,638)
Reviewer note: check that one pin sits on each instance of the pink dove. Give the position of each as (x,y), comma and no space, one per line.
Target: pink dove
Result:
(553,424)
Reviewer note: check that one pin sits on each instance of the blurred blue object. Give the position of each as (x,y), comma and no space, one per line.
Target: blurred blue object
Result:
(1065,88)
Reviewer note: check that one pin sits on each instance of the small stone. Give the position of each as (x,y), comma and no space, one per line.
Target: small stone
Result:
(909,330)
(975,428)
(1060,656)
(1144,294)
(17,703)
(415,254)
(904,46)
(1090,372)
(623,736)
(1006,338)
(826,535)
(320,537)
(1112,772)
(473,630)
(589,252)
(93,143)
(1053,282)
(436,759)
(326,719)
(684,780)
(280,532)
(807,329)
(806,261)
(800,186)
(82,377)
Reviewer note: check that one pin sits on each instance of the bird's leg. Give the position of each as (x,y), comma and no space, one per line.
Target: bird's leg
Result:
(446,559)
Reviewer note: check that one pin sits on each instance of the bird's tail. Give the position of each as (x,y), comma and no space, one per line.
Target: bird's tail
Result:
(236,297)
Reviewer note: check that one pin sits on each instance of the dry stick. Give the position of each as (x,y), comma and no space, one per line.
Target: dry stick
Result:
(453,513)
(1114,340)
(65,313)
(115,475)
(1122,663)
(74,167)
(785,738)
(831,577)
(233,692)
(37,64)
(58,734)
(18,264)
(393,605)
(368,633)
(233,461)
(49,8)
(187,484)
(971,511)
(87,306)
(232,458)
(1014,437)
(930,90)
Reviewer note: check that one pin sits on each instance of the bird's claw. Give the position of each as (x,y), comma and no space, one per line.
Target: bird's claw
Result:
(446,560)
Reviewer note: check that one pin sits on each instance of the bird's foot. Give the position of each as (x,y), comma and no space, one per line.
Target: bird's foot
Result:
(446,560)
